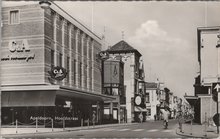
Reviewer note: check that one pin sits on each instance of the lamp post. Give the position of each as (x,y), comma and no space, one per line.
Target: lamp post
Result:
(45,4)
(217,46)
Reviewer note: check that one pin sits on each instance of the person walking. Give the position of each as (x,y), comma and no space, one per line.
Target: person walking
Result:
(93,118)
(180,118)
(165,117)
(141,117)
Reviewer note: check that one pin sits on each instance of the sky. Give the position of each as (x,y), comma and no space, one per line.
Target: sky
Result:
(165,33)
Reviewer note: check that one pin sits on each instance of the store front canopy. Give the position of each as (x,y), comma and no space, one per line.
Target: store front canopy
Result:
(28,98)
(191,99)
(74,93)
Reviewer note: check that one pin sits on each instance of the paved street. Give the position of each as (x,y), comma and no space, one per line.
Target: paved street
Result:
(147,129)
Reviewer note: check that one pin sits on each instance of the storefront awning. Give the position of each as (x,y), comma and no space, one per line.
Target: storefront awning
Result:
(28,98)
(191,99)
(68,92)
(44,95)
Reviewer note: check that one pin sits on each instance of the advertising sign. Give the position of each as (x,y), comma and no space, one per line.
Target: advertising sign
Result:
(58,73)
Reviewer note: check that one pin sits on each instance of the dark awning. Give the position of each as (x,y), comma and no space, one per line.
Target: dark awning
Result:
(74,93)
(191,99)
(28,98)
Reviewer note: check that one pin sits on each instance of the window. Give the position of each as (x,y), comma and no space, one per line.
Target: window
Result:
(60,59)
(68,68)
(147,97)
(74,71)
(52,58)
(14,17)
(80,74)
(115,91)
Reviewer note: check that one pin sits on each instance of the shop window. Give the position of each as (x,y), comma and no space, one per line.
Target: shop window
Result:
(115,114)
(14,17)
(115,91)
(106,113)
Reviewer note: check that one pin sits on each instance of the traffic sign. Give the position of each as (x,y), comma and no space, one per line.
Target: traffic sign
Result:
(215,91)
(216,119)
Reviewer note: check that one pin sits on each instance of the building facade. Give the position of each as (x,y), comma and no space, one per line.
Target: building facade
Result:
(133,77)
(113,85)
(152,100)
(209,72)
(39,46)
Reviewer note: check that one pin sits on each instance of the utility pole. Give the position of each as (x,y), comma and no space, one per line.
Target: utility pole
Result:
(218,60)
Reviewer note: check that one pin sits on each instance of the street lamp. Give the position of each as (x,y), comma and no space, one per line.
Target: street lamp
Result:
(217,46)
(45,4)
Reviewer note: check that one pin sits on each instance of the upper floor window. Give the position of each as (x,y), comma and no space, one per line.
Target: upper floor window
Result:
(60,60)
(68,68)
(14,17)
(52,58)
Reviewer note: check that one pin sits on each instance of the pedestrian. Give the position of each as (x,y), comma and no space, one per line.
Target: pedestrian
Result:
(180,118)
(141,117)
(93,118)
(165,117)
(155,117)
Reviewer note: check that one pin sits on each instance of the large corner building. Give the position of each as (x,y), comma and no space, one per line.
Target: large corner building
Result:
(34,41)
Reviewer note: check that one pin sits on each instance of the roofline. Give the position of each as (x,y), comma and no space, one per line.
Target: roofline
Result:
(124,51)
(78,23)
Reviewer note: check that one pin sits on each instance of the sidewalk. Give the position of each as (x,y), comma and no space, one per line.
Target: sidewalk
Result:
(198,131)
(12,131)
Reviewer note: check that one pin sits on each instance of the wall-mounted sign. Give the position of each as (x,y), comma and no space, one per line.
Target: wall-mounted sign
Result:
(58,73)
(18,50)
(55,118)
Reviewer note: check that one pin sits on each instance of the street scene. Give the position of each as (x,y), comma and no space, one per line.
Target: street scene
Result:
(73,69)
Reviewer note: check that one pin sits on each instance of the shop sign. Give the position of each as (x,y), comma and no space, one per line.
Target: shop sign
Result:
(58,73)
(19,50)
(103,55)
(56,118)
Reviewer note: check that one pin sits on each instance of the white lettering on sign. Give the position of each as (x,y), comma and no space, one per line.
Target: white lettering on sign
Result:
(66,118)
(40,118)
(19,47)
(20,50)
(56,118)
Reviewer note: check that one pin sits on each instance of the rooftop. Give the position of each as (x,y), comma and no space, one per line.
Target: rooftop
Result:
(122,47)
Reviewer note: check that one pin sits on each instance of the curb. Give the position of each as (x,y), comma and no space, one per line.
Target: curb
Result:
(191,136)
(69,130)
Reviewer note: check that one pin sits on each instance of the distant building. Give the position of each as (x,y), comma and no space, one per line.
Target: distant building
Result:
(152,100)
(49,67)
